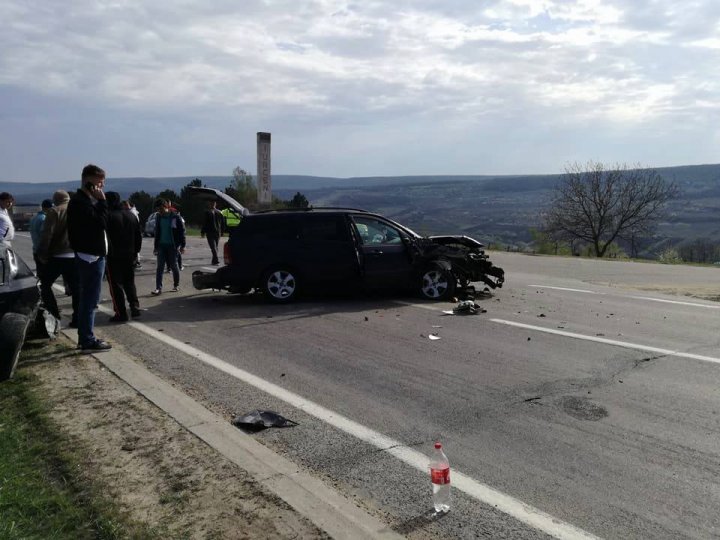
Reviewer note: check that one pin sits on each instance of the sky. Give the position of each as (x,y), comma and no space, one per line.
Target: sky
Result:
(355,88)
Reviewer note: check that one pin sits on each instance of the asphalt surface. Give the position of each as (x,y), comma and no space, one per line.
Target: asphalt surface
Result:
(609,437)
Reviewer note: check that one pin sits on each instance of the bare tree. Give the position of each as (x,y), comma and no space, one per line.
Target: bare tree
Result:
(599,204)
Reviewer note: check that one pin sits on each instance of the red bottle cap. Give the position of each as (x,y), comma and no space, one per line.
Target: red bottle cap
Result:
(438,445)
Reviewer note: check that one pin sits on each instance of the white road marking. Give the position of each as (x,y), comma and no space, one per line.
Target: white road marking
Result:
(505,503)
(208,269)
(564,289)
(624,344)
(694,304)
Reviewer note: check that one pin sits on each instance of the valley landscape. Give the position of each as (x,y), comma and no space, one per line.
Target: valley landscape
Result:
(498,210)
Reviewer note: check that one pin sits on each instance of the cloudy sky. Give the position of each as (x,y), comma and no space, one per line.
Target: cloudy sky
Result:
(355,88)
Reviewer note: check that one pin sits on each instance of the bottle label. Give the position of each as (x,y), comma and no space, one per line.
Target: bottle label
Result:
(440,476)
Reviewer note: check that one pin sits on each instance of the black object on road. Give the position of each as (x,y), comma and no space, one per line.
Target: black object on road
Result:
(258,420)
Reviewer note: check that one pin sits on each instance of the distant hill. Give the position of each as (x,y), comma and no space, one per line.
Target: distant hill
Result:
(492,208)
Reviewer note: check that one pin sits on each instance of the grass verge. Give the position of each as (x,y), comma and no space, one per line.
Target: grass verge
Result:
(43,491)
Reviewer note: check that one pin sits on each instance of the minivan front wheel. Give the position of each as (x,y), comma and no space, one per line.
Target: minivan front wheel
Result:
(280,284)
(437,283)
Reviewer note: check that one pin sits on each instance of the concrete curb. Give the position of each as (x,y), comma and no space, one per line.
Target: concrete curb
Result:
(322,505)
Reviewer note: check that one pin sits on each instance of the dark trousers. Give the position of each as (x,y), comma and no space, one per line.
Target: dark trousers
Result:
(89,284)
(48,274)
(166,255)
(213,240)
(121,278)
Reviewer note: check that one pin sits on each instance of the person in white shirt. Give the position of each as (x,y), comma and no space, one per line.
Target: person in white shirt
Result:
(7,229)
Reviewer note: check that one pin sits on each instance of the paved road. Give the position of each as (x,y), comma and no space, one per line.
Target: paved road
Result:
(578,405)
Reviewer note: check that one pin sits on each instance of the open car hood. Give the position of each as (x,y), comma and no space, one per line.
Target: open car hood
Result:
(457,239)
(211,194)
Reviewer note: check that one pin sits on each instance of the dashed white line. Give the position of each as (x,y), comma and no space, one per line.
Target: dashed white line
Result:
(649,298)
(624,344)
(693,304)
(564,289)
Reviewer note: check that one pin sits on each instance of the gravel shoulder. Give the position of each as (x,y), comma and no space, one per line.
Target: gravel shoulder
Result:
(156,471)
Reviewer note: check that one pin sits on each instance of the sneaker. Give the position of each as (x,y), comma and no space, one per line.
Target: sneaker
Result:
(96,346)
(156,292)
(135,313)
(176,288)
(118,318)
(72,324)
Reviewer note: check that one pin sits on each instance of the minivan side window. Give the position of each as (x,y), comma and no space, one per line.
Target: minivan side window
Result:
(375,231)
(269,229)
(324,228)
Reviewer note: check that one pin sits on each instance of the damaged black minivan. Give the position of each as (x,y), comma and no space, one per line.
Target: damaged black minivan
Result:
(284,253)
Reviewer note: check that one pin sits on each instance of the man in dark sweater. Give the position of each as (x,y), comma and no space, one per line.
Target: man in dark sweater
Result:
(169,241)
(124,239)
(212,229)
(87,215)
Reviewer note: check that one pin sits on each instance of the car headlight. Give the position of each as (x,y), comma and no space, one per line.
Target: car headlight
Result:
(13,264)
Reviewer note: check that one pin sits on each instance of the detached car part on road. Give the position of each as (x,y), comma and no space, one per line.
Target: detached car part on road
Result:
(285,252)
(19,301)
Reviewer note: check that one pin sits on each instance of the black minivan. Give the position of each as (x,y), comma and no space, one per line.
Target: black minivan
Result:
(285,252)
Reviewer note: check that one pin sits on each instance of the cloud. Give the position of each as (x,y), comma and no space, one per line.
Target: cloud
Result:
(319,64)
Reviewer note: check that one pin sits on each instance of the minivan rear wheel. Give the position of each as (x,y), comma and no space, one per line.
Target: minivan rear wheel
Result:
(437,283)
(280,284)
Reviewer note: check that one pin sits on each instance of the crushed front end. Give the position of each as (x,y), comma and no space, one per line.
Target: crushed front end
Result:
(469,261)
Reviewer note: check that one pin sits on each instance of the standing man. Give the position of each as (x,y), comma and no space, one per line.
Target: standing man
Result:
(212,229)
(169,241)
(57,257)
(36,228)
(125,239)
(87,221)
(7,229)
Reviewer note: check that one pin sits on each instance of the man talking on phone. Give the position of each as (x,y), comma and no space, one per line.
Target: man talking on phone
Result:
(87,216)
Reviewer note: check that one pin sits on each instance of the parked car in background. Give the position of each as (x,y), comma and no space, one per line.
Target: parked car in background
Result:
(19,301)
(283,253)
(150,225)
(22,214)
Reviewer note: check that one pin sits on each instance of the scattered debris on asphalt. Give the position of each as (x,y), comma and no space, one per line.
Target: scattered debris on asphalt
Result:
(258,420)
(467,307)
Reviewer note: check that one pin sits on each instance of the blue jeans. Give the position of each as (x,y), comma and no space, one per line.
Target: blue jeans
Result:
(166,255)
(89,283)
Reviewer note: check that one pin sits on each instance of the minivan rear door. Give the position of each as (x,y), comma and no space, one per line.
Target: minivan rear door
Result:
(329,251)
(385,259)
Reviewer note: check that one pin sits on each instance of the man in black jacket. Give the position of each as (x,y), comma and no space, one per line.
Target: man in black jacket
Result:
(124,239)
(87,220)
(212,229)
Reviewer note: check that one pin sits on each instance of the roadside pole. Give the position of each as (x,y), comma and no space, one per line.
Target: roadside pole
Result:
(264,183)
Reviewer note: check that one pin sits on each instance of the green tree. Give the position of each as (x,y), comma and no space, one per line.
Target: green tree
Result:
(143,202)
(600,205)
(546,244)
(298,201)
(242,188)
(169,195)
(193,207)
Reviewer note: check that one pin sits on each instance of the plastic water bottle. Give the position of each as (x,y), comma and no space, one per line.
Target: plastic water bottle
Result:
(440,478)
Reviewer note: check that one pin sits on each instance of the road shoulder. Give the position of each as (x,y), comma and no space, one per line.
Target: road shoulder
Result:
(171,462)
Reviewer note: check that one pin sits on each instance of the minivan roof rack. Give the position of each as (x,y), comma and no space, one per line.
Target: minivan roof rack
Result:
(310,208)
